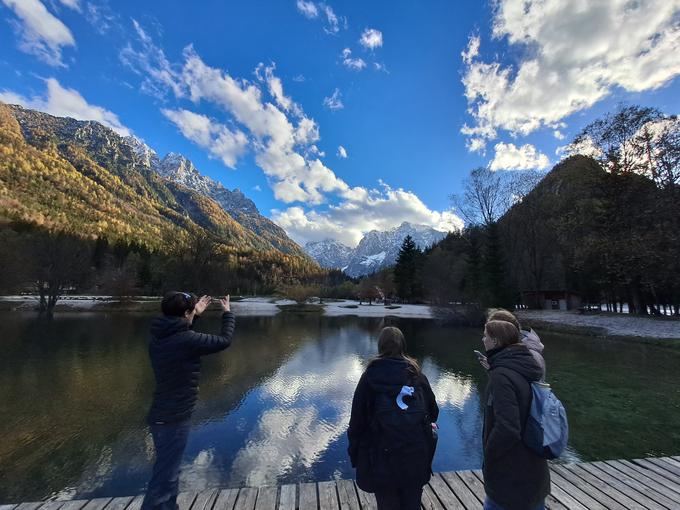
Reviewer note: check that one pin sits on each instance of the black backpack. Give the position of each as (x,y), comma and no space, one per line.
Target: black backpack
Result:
(402,442)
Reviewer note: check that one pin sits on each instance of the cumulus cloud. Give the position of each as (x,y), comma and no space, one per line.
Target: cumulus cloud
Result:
(65,102)
(356,64)
(220,141)
(334,101)
(371,38)
(510,157)
(574,54)
(40,32)
(342,152)
(363,210)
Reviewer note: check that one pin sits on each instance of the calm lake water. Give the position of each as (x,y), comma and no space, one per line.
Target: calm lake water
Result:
(274,407)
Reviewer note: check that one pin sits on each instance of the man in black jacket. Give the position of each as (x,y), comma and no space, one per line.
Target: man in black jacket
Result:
(175,351)
(515,478)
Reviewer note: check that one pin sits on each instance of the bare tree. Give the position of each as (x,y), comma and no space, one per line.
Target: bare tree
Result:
(484,199)
(614,137)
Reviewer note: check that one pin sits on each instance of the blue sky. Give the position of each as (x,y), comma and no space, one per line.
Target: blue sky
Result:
(341,117)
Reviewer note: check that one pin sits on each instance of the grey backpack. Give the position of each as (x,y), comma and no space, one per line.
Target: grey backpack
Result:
(546,431)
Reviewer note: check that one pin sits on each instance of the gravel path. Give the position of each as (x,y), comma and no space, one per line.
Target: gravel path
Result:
(619,325)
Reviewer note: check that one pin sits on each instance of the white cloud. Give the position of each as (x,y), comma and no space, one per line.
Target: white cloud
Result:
(559,134)
(307,8)
(65,102)
(300,78)
(586,147)
(334,102)
(342,152)
(356,64)
(72,4)
(510,157)
(257,188)
(362,211)
(150,62)
(42,34)
(220,141)
(333,21)
(472,49)
(311,10)
(575,54)
(371,38)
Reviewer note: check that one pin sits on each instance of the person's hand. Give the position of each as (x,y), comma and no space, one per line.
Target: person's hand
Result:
(484,362)
(224,303)
(202,304)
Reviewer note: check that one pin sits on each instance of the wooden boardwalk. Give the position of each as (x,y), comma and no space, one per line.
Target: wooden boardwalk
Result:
(643,484)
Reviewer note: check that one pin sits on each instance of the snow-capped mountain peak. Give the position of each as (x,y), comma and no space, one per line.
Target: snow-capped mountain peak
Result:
(375,250)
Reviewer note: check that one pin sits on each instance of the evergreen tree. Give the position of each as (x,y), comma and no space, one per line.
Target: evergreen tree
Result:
(408,271)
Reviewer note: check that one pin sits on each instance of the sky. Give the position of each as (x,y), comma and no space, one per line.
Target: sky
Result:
(337,118)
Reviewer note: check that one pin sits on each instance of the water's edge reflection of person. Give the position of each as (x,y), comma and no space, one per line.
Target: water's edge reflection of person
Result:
(175,351)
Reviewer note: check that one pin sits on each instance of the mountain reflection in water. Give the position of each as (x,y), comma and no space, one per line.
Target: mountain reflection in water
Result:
(275,406)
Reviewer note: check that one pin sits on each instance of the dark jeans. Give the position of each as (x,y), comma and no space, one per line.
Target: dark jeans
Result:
(399,498)
(169,440)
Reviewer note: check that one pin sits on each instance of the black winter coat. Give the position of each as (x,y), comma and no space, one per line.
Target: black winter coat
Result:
(175,351)
(514,477)
(386,375)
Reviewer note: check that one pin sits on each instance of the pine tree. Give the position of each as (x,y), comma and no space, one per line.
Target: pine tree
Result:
(408,271)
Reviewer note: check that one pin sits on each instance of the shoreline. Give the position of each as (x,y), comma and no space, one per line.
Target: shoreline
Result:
(659,331)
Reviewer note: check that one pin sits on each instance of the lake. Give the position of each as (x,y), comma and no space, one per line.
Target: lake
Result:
(274,407)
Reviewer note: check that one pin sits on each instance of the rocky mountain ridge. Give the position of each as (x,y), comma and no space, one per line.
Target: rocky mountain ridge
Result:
(375,251)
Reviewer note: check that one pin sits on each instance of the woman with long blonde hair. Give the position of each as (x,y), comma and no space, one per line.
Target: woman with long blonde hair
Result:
(391,429)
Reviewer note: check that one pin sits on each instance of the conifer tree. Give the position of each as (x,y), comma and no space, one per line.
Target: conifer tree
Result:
(408,271)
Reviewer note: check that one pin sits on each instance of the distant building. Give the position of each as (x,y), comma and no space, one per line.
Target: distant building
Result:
(551,299)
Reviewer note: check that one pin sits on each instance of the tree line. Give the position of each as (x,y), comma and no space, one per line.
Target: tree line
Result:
(604,224)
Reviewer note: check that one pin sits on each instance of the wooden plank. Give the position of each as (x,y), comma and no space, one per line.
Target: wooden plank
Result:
(135,504)
(462,491)
(474,482)
(75,504)
(115,504)
(185,499)
(444,493)
(266,497)
(97,504)
(308,497)
(670,461)
(631,487)
(600,491)
(204,500)
(53,505)
(429,501)
(226,499)
(569,501)
(367,500)
(644,463)
(665,465)
(616,481)
(7,507)
(658,483)
(553,504)
(328,496)
(32,505)
(287,498)
(246,499)
(574,491)
(349,500)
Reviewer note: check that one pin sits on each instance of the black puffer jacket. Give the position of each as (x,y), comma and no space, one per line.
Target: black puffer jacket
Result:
(514,477)
(387,376)
(175,351)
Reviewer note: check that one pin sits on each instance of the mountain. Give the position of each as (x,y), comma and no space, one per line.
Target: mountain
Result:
(375,251)
(329,253)
(180,170)
(83,178)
